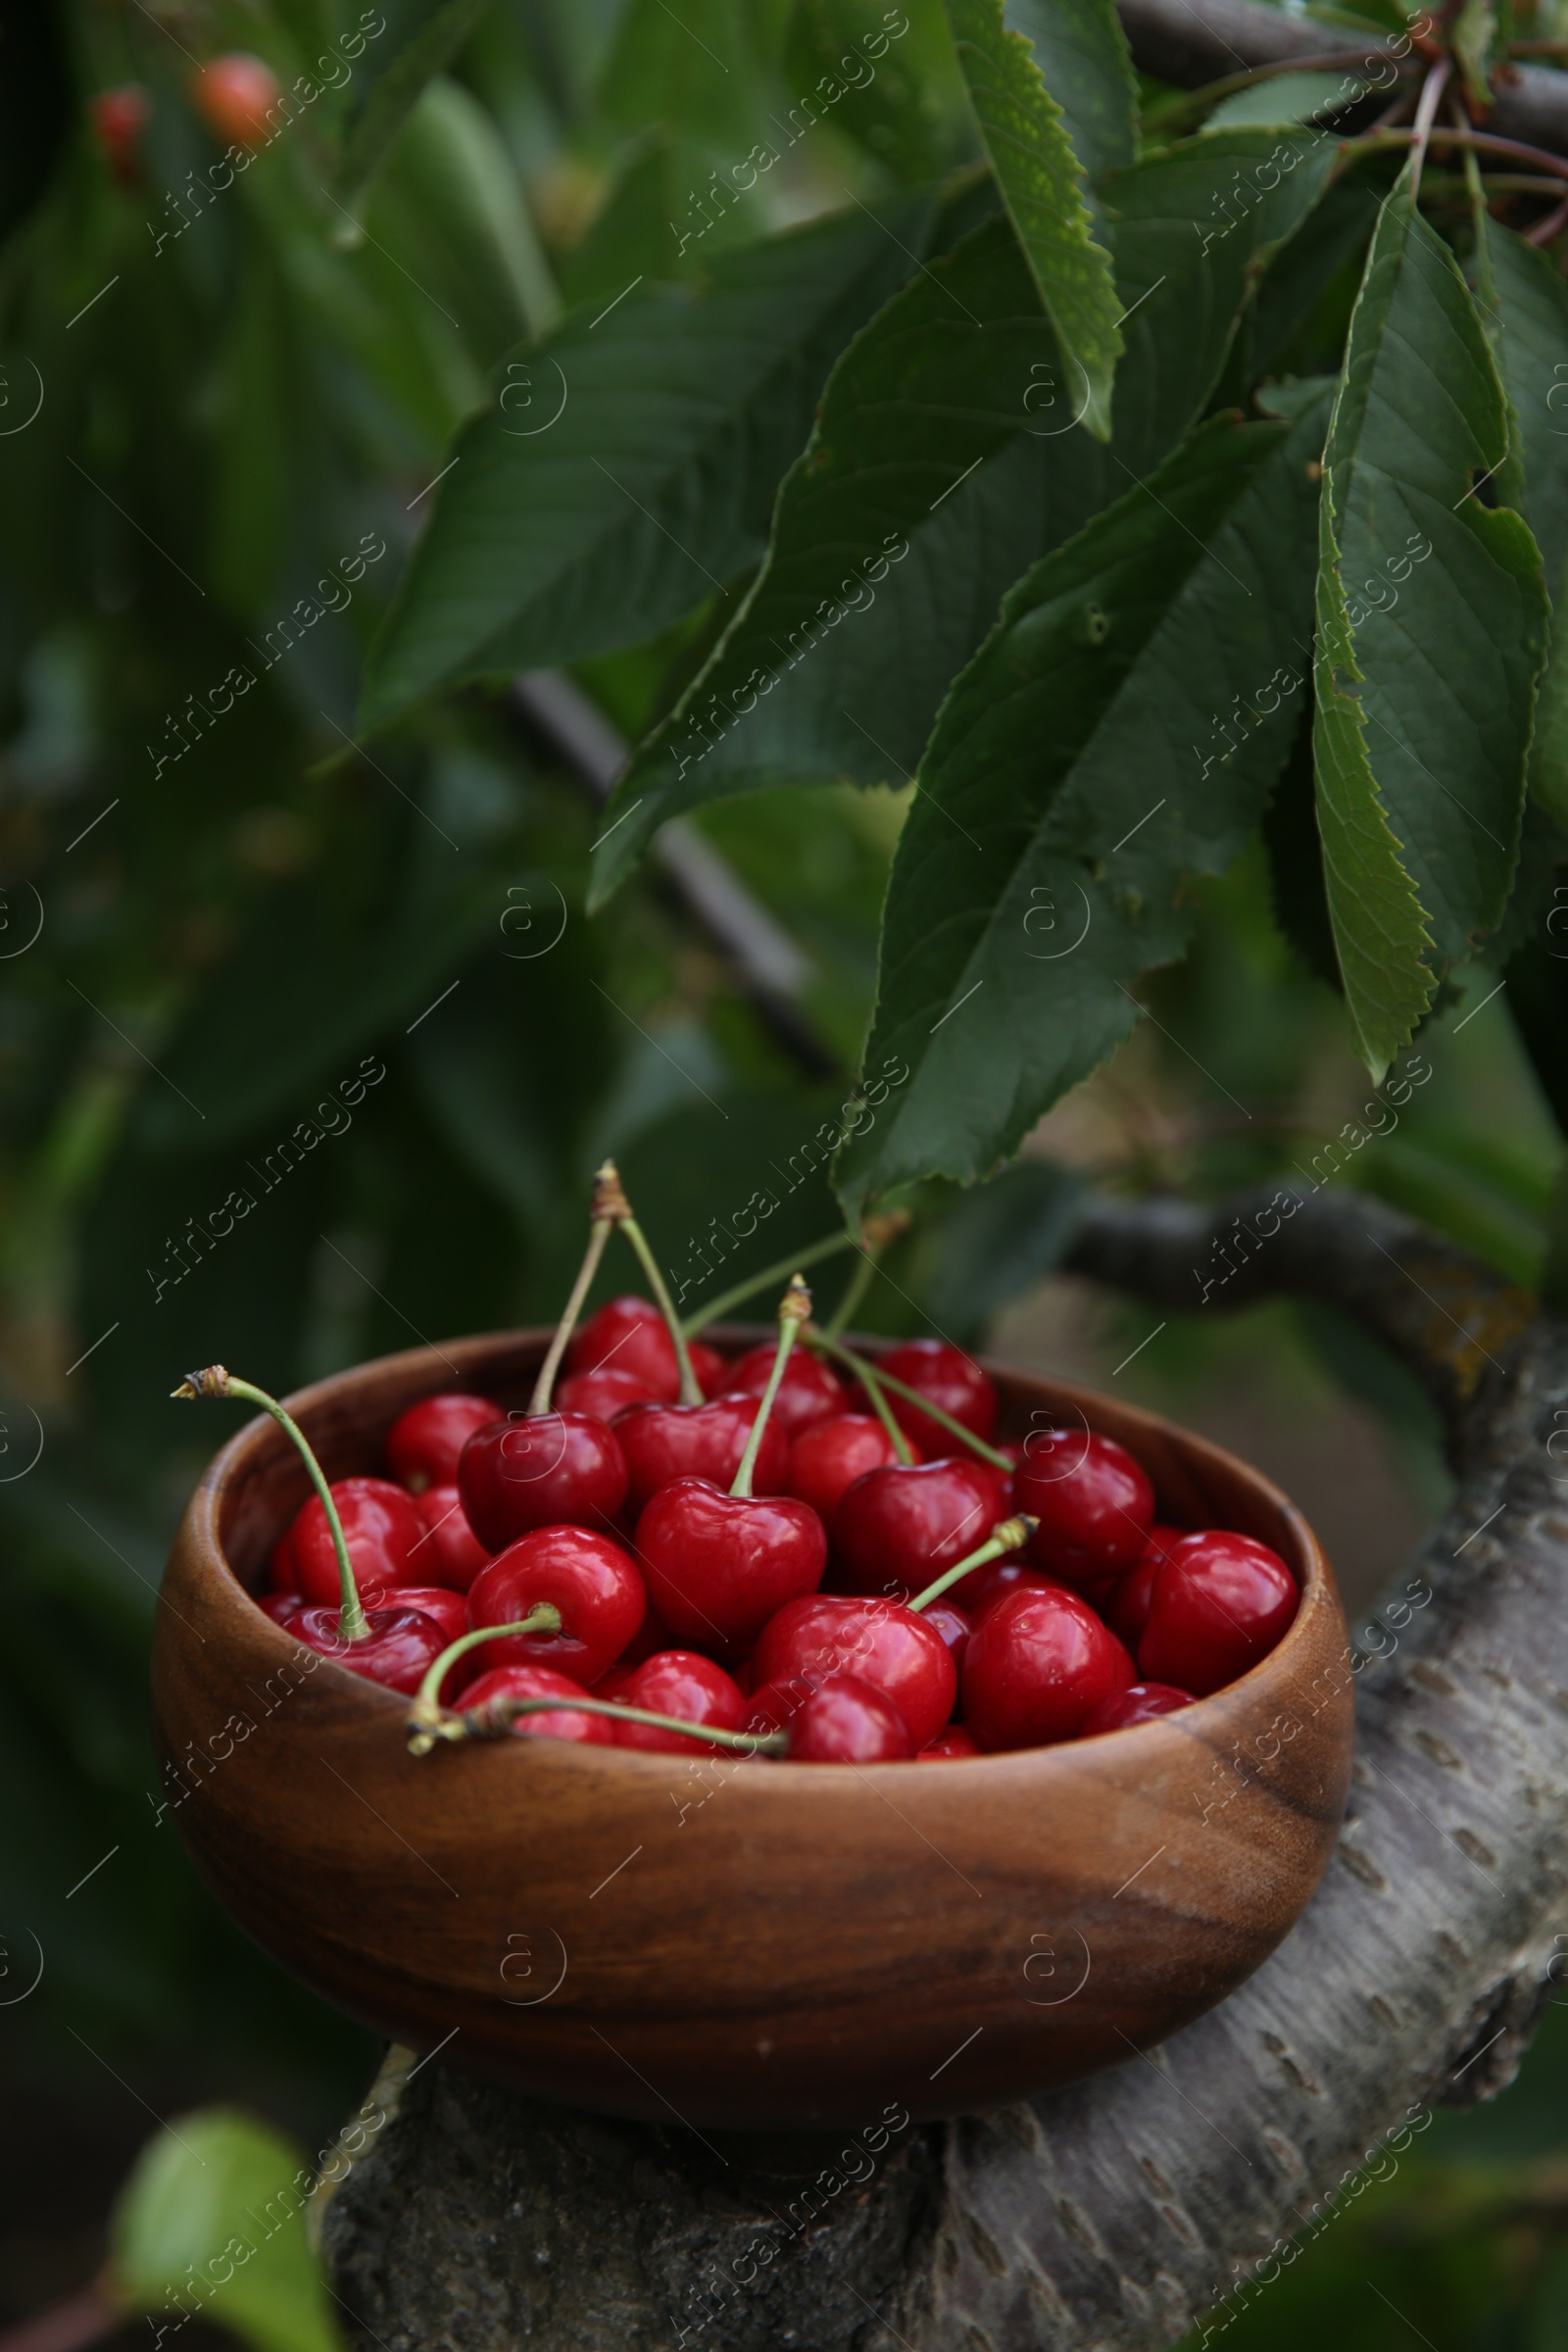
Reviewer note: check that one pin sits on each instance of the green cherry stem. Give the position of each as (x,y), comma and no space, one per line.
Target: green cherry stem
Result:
(872,1386)
(778,1272)
(793,1311)
(881,1233)
(620,1208)
(216,1380)
(607,1205)
(1006,1535)
(427,1711)
(933,1412)
(498,1715)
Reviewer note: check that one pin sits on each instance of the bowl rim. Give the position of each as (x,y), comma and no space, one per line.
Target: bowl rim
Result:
(202,1535)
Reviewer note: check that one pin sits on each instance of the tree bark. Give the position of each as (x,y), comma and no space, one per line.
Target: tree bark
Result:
(1192,42)
(1111,2216)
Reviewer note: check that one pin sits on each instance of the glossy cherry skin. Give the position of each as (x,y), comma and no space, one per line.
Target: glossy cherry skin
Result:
(895,1530)
(774,1706)
(1139,1702)
(604,1393)
(233,94)
(719,1566)
(677,1682)
(119,117)
(551,1723)
(979,1592)
(628,1335)
(424,1445)
(664,1441)
(585,1576)
(381,1527)
(947,1746)
(1094,1502)
(1126,1609)
(951,1380)
(402,1645)
(542,1470)
(281,1607)
(1220,1603)
(954,1625)
(877,1641)
(828,1457)
(449,1553)
(282,1568)
(1036,1667)
(809,1390)
(447,1609)
(845,1721)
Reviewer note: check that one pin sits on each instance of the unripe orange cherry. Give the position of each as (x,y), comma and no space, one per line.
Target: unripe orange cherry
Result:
(233,95)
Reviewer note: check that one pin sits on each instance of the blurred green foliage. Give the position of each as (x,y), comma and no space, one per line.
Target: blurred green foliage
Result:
(224,927)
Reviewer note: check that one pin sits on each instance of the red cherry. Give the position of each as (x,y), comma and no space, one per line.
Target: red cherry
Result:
(1139,1702)
(1126,1611)
(712,1370)
(719,1566)
(954,1625)
(424,1445)
(948,1745)
(876,1642)
(628,1335)
(1034,1668)
(233,95)
(951,1380)
(612,1681)
(401,1648)
(845,1721)
(449,1610)
(541,1470)
(774,1706)
(604,1393)
(1094,1504)
(828,1457)
(551,1723)
(895,1530)
(809,1391)
(1221,1601)
(587,1578)
(449,1553)
(665,1442)
(281,1607)
(677,1682)
(381,1527)
(981,1591)
(282,1568)
(119,117)
(651,1636)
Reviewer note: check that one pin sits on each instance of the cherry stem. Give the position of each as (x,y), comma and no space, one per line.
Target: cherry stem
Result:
(216,1381)
(605,1220)
(1006,1535)
(690,1391)
(878,1403)
(498,1715)
(874,1374)
(793,1311)
(776,1273)
(881,1233)
(543,1618)
(1425,114)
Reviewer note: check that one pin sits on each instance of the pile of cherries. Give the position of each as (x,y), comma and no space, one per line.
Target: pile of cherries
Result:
(746,1568)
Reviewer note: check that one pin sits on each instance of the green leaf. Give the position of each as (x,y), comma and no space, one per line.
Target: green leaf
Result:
(418,39)
(212,2222)
(903,98)
(1528,319)
(693,67)
(665,421)
(1117,732)
(1083,58)
(1431,630)
(912,438)
(1041,178)
(1282,98)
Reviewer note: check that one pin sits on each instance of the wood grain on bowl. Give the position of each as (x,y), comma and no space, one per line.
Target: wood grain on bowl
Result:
(740,1944)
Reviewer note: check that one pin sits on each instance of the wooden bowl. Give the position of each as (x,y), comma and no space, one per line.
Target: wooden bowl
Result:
(739,1944)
